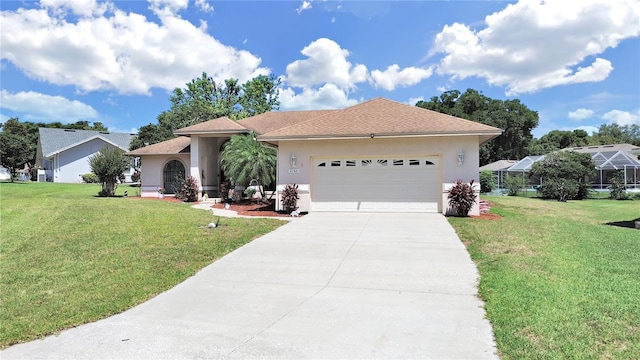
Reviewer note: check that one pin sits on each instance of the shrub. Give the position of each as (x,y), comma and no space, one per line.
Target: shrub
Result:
(188,190)
(290,197)
(224,190)
(487,181)
(90,178)
(461,197)
(108,164)
(564,175)
(617,189)
(135,177)
(512,183)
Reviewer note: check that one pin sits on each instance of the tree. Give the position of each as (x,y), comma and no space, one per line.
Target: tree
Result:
(108,164)
(203,99)
(616,134)
(564,175)
(15,151)
(516,120)
(558,139)
(244,159)
(487,181)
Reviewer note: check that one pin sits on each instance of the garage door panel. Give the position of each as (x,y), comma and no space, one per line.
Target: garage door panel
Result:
(377,184)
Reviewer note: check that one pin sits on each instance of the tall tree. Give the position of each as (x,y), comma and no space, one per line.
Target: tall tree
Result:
(203,99)
(15,151)
(615,134)
(515,118)
(558,139)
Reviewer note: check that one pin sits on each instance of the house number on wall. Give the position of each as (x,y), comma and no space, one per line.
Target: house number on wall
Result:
(294,171)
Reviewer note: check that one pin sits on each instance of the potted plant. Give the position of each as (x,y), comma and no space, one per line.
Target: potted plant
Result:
(289,198)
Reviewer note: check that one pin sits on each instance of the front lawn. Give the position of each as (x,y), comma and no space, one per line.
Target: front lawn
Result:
(559,282)
(68,257)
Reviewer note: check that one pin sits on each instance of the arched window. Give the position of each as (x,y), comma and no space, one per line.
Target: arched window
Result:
(172,174)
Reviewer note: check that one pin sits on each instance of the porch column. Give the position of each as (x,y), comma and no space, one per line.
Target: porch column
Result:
(195,163)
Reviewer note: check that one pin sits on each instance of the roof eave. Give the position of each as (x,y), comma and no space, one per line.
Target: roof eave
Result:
(485,134)
(209,132)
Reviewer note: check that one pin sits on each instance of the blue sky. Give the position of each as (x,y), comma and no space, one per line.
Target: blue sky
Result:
(576,63)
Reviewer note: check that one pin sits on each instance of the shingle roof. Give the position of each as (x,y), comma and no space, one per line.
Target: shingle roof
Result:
(56,140)
(178,145)
(600,148)
(222,125)
(381,117)
(274,120)
(498,165)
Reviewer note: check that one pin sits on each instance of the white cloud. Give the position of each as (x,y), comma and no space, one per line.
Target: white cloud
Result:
(115,50)
(535,44)
(328,96)
(413,101)
(306,5)
(580,114)
(589,129)
(42,107)
(204,5)
(393,77)
(326,63)
(441,88)
(622,118)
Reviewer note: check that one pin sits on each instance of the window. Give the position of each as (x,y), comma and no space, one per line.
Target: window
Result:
(350,163)
(398,162)
(335,163)
(382,162)
(414,162)
(365,162)
(322,164)
(427,162)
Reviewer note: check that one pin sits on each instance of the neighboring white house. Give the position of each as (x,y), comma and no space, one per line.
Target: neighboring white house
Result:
(64,153)
(376,156)
(5,174)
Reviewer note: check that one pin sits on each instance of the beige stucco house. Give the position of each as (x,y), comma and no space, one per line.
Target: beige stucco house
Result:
(376,156)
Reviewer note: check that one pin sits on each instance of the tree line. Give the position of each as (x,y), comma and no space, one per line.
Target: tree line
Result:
(518,122)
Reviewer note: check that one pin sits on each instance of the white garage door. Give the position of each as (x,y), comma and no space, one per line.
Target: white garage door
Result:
(376,184)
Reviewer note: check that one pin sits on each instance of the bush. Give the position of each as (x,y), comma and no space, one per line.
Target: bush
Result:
(90,178)
(487,181)
(290,197)
(617,189)
(564,175)
(135,177)
(461,198)
(108,164)
(188,190)
(512,183)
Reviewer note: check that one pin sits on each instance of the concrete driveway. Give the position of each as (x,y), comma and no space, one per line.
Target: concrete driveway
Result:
(328,285)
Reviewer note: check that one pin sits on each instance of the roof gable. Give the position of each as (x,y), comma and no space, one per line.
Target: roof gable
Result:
(380,117)
(179,145)
(221,125)
(54,140)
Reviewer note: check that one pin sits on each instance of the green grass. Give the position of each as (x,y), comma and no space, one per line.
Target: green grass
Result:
(68,257)
(559,282)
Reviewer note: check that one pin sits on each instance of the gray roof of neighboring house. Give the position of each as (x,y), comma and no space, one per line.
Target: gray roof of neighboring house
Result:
(499,165)
(54,141)
(601,148)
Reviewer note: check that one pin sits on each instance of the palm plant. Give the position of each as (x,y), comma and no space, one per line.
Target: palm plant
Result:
(244,159)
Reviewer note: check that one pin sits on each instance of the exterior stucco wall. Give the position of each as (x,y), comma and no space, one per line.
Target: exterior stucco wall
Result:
(151,172)
(447,148)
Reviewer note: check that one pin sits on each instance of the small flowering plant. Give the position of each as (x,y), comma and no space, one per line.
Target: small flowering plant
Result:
(160,190)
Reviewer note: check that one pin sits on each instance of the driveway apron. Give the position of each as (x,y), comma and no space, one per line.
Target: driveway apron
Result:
(327,285)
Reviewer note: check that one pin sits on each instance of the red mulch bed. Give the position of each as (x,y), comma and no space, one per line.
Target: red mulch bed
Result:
(252,209)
